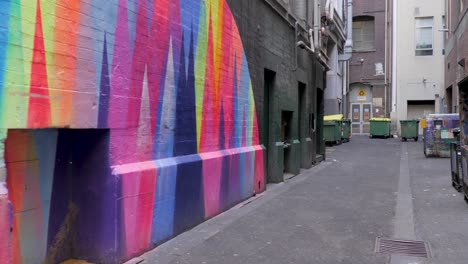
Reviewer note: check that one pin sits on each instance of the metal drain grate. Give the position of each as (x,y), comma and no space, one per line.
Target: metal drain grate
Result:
(403,247)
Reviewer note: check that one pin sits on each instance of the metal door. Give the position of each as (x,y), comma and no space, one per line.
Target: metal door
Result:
(360,118)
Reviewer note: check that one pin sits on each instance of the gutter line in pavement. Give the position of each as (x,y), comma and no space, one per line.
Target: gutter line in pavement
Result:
(404,217)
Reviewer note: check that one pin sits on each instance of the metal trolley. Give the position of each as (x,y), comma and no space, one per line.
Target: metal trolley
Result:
(456,162)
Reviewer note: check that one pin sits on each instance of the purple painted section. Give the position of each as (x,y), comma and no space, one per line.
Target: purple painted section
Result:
(438,134)
(83,207)
(6,224)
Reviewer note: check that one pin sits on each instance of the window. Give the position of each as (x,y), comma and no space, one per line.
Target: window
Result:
(363,33)
(424,36)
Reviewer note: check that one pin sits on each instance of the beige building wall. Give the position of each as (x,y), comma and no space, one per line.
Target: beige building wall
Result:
(419,78)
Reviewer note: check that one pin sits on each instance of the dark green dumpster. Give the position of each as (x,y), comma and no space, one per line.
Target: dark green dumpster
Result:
(409,129)
(346,127)
(380,127)
(332,129)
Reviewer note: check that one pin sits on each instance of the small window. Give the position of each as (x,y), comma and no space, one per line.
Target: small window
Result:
(424,36)
(364,33)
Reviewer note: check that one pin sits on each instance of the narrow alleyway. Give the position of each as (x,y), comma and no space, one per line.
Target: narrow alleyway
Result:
(334,212)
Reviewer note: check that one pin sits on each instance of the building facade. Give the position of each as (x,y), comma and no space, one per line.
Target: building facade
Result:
(456,54)
(289,75)
(369,93)
(335,15)
(419,64)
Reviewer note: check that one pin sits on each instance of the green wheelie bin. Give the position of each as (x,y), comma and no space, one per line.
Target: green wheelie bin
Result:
(346,127)
(332,129)
(409,129)
(380,127)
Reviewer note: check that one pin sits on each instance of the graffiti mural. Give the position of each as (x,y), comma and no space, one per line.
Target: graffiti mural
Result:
(123,123)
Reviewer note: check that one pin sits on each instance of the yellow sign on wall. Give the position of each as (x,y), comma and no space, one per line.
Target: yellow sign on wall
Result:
(362,95)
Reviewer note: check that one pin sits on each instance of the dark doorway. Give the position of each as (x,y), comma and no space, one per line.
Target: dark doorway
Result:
(449,99)
(63,194)
(286,138)
(268,109)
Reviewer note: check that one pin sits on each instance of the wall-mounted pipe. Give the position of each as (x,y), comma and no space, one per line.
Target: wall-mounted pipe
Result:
(302,45)
(394,56)
(317,24)
(296,34)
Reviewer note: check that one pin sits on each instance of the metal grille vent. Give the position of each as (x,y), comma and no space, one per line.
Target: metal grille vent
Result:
(403,247)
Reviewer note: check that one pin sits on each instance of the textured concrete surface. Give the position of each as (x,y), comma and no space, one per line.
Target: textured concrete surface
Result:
(333,213)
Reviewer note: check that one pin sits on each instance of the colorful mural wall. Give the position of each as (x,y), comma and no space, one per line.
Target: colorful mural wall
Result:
(122,124)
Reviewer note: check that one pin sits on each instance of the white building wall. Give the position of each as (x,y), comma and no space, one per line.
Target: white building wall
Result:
(418,77)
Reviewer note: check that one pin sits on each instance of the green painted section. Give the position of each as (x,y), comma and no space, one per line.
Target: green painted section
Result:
(380,128)
(332,131)
(306,153)
(409,128)
(275,169)
(346,127)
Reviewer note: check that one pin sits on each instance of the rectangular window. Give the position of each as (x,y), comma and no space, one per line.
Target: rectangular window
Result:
(424,36)
(363,34)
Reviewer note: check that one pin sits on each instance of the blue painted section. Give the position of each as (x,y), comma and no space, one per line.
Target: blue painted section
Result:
(164,201)
(59,205)
(237,109)
(186,123)
(241,175)
(234,184)
(189,209)
(166,123)
(190,15)
(224,188)
(149,6)
(46,146)
(94,193)
(4,28)
(104,94)
(104,20)
(245,87)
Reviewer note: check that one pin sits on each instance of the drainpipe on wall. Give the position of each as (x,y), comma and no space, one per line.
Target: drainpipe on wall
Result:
(317,25)
(316,35)
(348,50)
(386,60)
(394,57)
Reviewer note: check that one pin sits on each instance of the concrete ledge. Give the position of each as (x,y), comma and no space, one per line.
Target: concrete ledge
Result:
(160,199)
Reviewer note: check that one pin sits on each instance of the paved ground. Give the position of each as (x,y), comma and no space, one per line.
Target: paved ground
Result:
(334,212)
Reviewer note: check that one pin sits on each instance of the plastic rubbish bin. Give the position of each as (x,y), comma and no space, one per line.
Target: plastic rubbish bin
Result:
(346,127)
(456,161)
(332,128)
(380,127)
(409,129)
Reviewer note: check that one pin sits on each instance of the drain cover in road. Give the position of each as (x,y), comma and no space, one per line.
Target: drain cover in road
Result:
(403,247)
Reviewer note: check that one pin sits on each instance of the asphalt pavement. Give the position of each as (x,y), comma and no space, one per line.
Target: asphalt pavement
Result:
(334,212)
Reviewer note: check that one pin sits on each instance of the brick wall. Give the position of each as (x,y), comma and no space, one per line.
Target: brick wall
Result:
(167,80)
